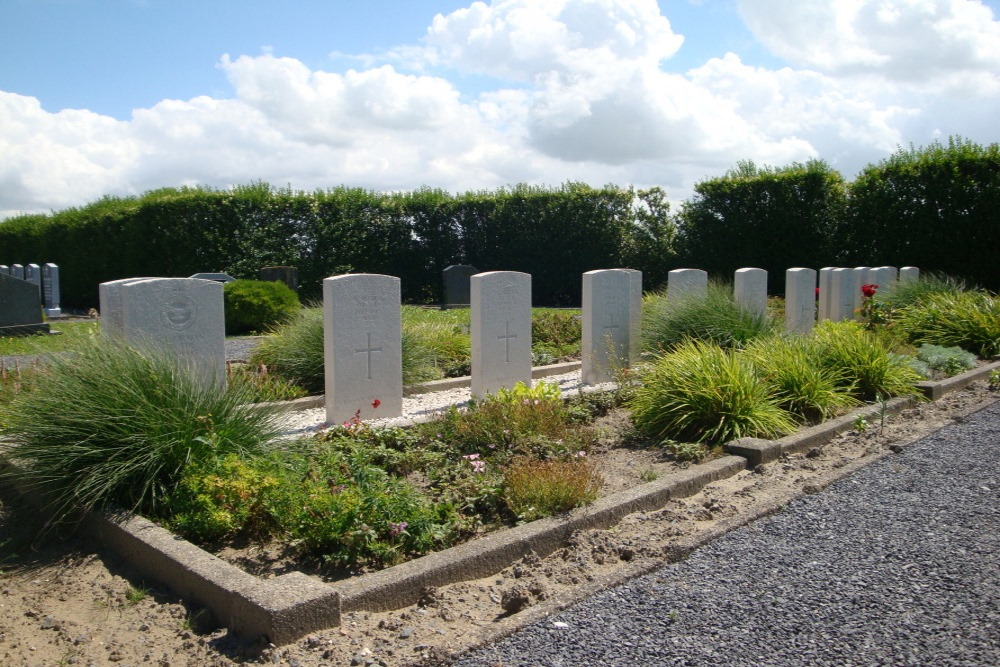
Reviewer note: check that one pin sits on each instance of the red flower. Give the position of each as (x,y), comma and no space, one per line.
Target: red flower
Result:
(817,292)
(376,403)
(869,290)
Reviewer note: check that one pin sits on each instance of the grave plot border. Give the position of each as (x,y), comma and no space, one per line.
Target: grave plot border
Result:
(288,607)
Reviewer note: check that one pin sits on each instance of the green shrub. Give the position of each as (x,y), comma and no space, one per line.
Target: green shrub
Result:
(257,305)
(802,386)
(111,425)
(863,361)
(445,344)
(261,384)
(701,392)
(713,317)
(556,334)
(534,489)
(969,320)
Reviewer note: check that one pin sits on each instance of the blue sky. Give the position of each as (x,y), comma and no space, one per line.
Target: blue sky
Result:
(122,96)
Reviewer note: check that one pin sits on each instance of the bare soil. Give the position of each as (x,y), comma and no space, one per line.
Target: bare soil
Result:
(64,602)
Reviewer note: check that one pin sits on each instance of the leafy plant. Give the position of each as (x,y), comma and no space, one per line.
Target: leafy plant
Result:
(863,361)
(112,425)
(703,393)
(970,320)
(257,305)
(534,489)
(556,333)
(713,317)
(260,384)
(802,386)
(946,360)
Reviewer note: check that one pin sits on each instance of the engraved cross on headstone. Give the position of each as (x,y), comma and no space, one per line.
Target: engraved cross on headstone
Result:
(368,351)
(506,339)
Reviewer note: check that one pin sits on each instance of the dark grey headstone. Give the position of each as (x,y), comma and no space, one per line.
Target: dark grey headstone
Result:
(455,280)
(281,274)
(20,312)
(4,269)
(17,270)
(217,277)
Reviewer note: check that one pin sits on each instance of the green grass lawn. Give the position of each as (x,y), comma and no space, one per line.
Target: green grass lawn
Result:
(70,335)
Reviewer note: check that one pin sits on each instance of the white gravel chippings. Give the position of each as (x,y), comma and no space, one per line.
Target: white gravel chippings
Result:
(897,564)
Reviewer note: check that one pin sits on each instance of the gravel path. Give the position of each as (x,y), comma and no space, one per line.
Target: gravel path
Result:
(897,564)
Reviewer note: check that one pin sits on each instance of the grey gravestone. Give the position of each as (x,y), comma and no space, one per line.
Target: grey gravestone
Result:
(4,269)
(750,289)
(455,282)
(33,274)
(362,347)
(50,290)
(281,274)
(217,277)
(825,291)
(501,330)
(20,313)
(843,287)
(909,274)
(17,270)
(800,300)
(606,322)
(182,315)
(110,295)
(682,283)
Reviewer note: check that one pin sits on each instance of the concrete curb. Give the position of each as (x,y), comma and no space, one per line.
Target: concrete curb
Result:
(287,607)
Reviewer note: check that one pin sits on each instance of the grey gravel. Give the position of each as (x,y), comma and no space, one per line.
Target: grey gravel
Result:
(898,564)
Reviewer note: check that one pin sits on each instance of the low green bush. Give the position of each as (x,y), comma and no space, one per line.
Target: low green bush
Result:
(713,317)
(945,361)
(256,305)
(555,335)
(969,320)
(911,292)
(863,361)
(802,385)
(534,489)
(110,425)
(703,393)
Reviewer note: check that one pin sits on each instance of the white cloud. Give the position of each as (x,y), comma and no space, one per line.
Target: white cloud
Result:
(581,91)
(908,40)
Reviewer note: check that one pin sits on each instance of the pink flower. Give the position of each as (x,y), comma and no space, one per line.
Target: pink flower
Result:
(396,528)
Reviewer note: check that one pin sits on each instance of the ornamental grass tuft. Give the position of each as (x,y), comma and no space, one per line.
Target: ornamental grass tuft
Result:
(109,425)
(713,317)
(969,320)
(864,361)
(802,385)
(703,393)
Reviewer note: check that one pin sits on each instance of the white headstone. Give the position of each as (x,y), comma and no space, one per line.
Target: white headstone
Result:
(883,276)
(750,289)
(501,330)
(50,289)
(909,274)
(604,345)
(17,270)
(823,303)
(800,300)
(861,278)
(4,269)
(362,347)
(635,314)
(685,282)
(843,285)
(110,306)
(182,315)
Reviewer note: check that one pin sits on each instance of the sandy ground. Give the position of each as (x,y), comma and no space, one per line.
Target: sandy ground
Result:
(63,602)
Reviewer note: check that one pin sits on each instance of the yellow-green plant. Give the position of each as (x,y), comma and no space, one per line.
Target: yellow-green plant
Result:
(703,393)
(864,361)
(970,320)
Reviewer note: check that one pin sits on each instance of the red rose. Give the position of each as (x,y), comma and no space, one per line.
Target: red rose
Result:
(869,290)
(376,403)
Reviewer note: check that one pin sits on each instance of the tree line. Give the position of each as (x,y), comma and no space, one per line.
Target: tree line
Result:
(935,207)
